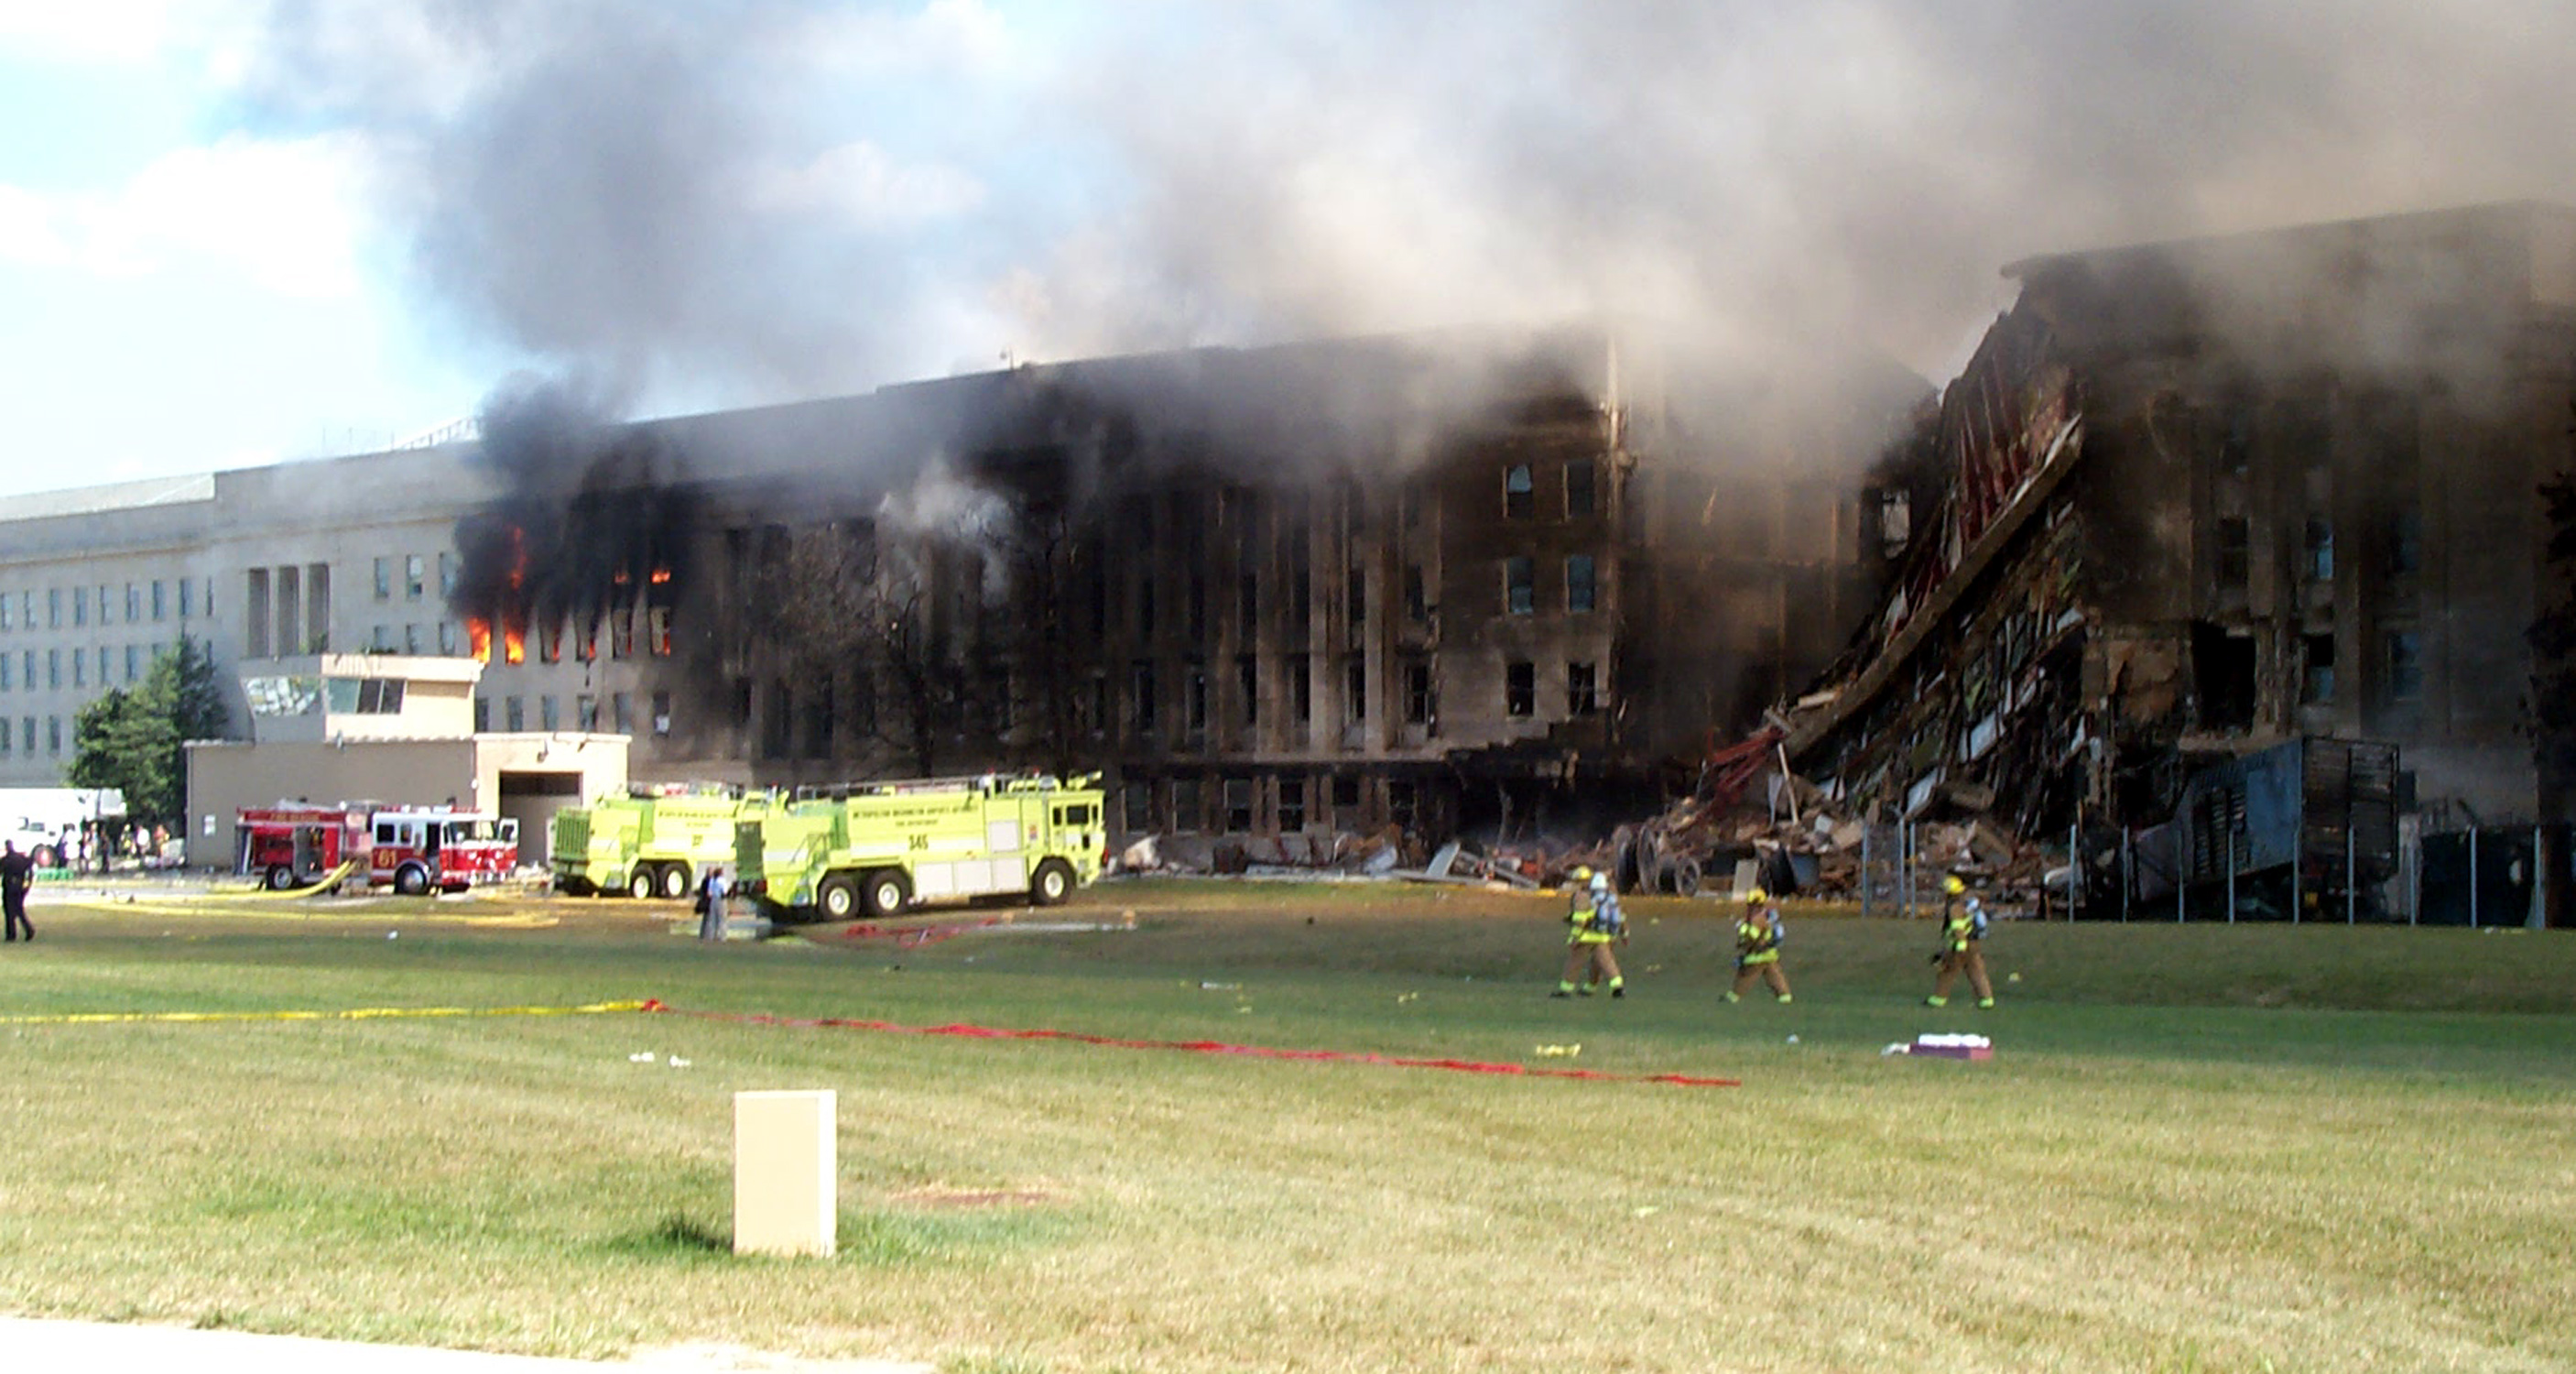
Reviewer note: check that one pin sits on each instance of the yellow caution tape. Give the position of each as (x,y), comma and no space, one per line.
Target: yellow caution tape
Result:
(88,1018)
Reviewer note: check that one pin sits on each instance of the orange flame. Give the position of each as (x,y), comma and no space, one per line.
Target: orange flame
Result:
(478,634)
(661,575)
(514,644)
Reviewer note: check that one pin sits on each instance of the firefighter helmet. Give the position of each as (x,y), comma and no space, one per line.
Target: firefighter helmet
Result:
(1954,885)
(1756,897)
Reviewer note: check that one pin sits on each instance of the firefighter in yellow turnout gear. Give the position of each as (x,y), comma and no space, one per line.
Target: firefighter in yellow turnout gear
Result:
(1963,933)
(1593,924)
(1758,935)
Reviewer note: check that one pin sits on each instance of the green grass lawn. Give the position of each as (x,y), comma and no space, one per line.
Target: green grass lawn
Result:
(2197,1148)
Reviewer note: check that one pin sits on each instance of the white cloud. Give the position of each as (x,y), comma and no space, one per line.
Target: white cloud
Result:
(283,214)
(950,35)
(115,32)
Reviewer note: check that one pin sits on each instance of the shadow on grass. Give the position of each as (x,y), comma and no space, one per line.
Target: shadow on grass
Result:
(677,1237)
(866,1238)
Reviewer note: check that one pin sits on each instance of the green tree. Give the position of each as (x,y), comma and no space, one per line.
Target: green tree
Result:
(133,740)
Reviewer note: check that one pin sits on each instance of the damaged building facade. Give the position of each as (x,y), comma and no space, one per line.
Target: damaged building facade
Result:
(1292,592)
(2197,499)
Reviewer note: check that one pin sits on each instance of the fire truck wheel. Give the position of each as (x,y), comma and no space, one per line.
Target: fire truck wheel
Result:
(641,884)
(1052,883)
(411,880)
(675,881)
(838,897)
(888,890)
(280,877)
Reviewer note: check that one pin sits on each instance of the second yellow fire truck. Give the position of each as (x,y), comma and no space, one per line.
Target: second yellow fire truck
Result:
(872,849)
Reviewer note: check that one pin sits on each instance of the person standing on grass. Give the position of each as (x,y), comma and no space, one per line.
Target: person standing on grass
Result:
(1758,934)
(1963,934)
(711,903)
(1588,937)
(17,872)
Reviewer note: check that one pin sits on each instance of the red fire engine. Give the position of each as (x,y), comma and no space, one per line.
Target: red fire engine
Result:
(411,849)
(425,847)
(296,843)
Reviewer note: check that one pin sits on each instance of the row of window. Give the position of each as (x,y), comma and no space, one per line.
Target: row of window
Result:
(1296,802)
(18,672)
(2404,536)
(415,576)
(1520,490)
(1520,584)
(1420,698)
(25,738)
(2401,668)
(622,639)
(75,607)
(586,716)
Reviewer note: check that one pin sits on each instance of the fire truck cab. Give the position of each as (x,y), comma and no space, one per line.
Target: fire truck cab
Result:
(436,847)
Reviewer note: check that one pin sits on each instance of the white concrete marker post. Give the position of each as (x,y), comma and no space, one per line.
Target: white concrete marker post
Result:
(786,1165)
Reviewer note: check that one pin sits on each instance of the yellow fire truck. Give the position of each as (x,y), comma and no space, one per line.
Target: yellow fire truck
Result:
(653,841)
(875,848)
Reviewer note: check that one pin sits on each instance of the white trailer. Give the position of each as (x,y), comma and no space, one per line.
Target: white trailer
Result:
(46,821)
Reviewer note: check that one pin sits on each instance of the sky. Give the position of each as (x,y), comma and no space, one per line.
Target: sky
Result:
(240,231)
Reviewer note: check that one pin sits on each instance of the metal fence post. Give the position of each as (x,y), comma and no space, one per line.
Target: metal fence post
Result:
(2351,911)
(2473,877)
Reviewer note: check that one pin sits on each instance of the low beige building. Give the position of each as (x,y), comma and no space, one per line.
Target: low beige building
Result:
(393,729)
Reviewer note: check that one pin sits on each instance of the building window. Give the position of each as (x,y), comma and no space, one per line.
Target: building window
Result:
(1301,690)
(4,734)
(621,712)
(661,713)
(514,714)
(447,638)
(53,670)
(550,642)
(2320,549)
(2316,682)
(1096,704)
(1401,807)
(53,734)
(2406,543)
(1582,695)
(1520,499)
(1194,696)
(2405,666)
(6,664)
(1520,689)
(384,578)
(1579,592)
(1355,687)
(8,614)
(586,712)
(1198,608)
(1419,705)
(1346,801)
(2234,547)
(1140,694)
(53,608)
(1136,804)
(1247,687)
(80,668)
(412,640)
(133,603)
(80,608)
(482,715)
(447,575)
(1247,601)
(1292,805)
(1578,488)
(133,663)
(1520,591)
(1145,607)
(1189,816)
(381,640)
(2236,442)
(548,717)
(658,625)
(621,634)
(1238,805)
(1417,603)
(415,576)
(187,598)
